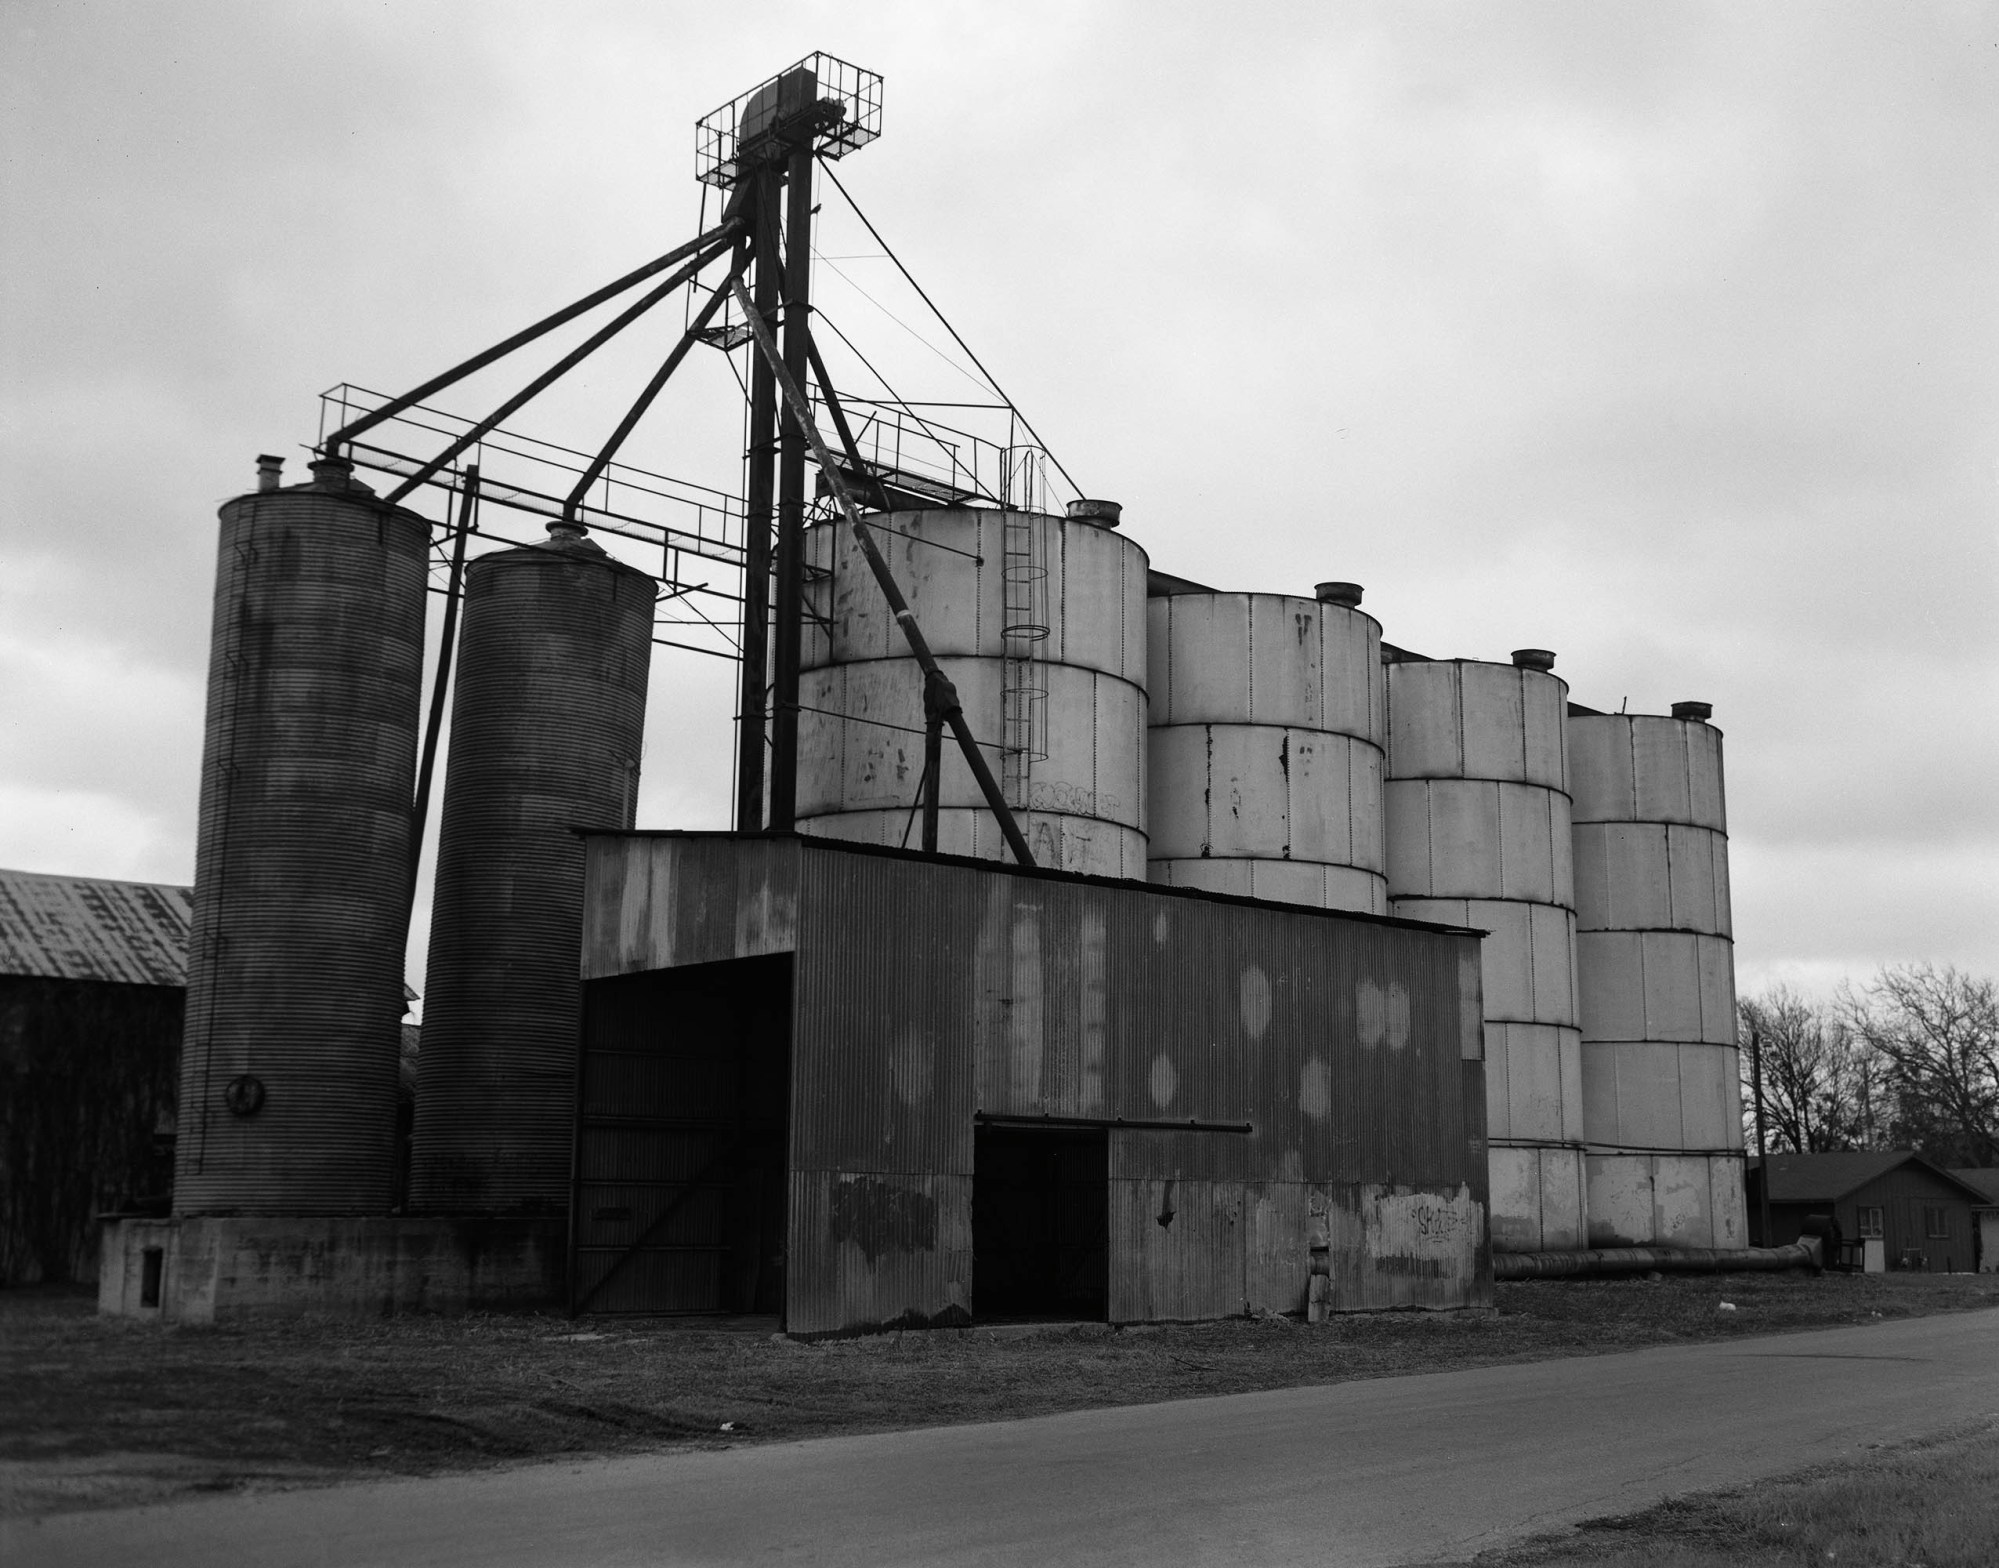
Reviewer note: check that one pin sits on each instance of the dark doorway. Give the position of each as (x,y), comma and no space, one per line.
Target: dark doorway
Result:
(1040,1223)
(682,1105)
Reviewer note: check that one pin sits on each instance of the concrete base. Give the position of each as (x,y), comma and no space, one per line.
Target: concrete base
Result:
(212,1269)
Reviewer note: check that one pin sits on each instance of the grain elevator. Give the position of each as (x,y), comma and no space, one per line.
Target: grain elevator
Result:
(1088,942)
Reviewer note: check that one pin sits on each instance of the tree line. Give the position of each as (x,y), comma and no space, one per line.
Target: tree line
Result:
(1910,1060)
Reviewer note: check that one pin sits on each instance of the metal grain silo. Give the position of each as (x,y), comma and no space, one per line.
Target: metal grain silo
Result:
(1661,1099)
(1268,729)
(1478,835)
(1040,623)
(301,884)
(547,722)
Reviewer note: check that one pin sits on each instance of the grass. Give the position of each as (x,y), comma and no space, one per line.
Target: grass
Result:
(1927,1504)
(98,1411)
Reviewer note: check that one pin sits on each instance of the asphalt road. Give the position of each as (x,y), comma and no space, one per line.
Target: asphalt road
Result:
(1398,1470)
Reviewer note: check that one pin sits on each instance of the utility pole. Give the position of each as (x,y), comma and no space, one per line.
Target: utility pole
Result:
(1762,1147)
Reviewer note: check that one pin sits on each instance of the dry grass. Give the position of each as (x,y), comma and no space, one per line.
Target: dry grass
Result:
(1927,1504)
(96,1411)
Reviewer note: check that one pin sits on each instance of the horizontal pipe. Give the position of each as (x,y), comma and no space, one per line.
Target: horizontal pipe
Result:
(1805,1254)
(1141,1124)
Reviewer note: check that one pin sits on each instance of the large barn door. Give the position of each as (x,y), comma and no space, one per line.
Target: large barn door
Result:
(1040,1211)
(683,1092)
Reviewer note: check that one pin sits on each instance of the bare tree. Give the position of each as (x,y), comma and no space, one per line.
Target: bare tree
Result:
(1935,1032)
(1821,1090)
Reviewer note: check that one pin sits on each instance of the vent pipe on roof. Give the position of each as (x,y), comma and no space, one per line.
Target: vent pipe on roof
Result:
(1105,514)
(269,469)
(1533,659)
(1347,594)
(1700,712)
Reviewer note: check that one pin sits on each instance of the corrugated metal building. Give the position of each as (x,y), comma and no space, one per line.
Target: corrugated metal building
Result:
(92,976)
(870,1088)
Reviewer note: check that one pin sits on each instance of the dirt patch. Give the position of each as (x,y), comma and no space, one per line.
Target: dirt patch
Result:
(99,1411)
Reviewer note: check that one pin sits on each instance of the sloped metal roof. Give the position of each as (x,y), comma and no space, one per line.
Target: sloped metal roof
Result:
(84,928)
(1824,1178)
(1984,1178)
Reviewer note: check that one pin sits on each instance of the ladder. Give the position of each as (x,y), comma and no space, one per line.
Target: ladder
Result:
(1024,627)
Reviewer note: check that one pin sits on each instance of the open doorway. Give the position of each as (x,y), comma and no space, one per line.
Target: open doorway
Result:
(1040,1223)
(682,1109)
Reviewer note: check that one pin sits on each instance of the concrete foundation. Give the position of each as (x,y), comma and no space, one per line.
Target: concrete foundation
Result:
(202,1269)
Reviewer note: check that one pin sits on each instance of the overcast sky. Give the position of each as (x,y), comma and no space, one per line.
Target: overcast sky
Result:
(1661,335)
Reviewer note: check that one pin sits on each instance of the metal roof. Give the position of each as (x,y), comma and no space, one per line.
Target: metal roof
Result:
(1984,1178)
(84,928)
(1823,1178)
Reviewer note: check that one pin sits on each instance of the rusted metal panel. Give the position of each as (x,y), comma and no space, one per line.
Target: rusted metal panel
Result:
(871,1251)
(547,726)
(1401,1246)
(1039,622)
(1284,1235)
(84,928)
(883,1077)
(930,993)
(1176,1250)
(291,1049)
(661,900)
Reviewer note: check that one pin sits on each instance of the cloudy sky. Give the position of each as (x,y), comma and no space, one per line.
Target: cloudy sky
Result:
(1662,335)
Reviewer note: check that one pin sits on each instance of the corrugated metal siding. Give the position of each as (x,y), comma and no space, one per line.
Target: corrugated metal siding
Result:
(302,854)
(82,928)
(928,992)
(547,725)
(1342,1043)
(657,901)
(878,1251)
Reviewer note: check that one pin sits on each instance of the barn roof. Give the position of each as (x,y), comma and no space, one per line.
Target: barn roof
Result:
(85,928)
(1823,1178)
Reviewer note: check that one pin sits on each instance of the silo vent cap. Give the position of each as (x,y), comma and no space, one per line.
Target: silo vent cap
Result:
(336,473)
(1105,514)
(1699,712)
(269,470)
(1347,594)
(570,537)
(1533,658)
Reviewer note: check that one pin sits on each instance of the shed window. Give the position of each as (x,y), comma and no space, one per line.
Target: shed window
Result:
(1936,1223)
(1870,1224)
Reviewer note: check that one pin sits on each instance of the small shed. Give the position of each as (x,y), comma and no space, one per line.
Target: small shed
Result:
(863,1088)
(1905,1212)
(93,977)
(1984,1216)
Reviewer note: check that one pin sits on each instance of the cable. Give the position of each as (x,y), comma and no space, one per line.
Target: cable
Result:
(997,388)
(892,316)
(898,401)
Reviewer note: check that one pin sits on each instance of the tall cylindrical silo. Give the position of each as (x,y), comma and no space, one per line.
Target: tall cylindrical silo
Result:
(547,723)
(1267,744)
(1662,1106)
(301,883)
(1478,835)
(1039,621)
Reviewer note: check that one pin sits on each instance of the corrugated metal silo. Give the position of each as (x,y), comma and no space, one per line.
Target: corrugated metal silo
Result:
(1267,743)
(1661,1098)
(1478,835)
(1040,623)
(547,723)
(295,973)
